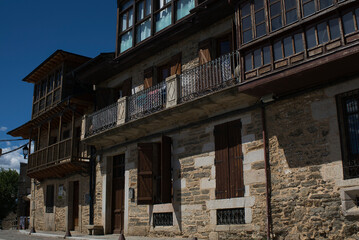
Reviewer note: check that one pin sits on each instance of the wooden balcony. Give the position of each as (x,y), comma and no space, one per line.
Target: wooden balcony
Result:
(57,160)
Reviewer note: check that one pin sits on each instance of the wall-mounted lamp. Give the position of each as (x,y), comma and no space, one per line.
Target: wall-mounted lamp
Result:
(131,194)
(25,151)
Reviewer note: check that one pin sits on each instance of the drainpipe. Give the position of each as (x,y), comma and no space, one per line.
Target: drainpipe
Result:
(267,168)
(92,184)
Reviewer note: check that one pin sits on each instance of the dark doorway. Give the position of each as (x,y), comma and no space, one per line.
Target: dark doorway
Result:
(118,183)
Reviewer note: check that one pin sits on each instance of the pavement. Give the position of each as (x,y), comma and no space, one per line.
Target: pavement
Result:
(42,235)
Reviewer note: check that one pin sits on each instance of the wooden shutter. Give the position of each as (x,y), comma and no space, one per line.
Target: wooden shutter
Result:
(127,87)
(235,159)
(166,182)
(205,51)
(148,81)
(145,173)
(176,65)
(221,161)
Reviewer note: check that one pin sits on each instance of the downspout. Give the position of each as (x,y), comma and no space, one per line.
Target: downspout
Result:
(267,171)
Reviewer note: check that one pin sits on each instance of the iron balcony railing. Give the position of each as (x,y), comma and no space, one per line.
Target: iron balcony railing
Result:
(147,101)
(101,120)
(209,77)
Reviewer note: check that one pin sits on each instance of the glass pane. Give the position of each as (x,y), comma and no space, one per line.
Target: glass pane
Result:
(183,8)
(140,10)
(266,55)
(259,16)
(348,23)
(258,4)
(257,58)
(246,10)
(277,51)
(351,105)
(357,17)
(310,36)
(248,62)
(126,5)
(325,3)
(275,9)
(334,28)
(126,41)
(290,4)
(224,47)
(163,19)
(298,43)
(276,23)
(288,46)
(322,33)
(148,7)
(246,23)
(247,36)
(308,8)
(143,31)
(130,17)
(261,30)
(291,16)
(124,22)
(353,130)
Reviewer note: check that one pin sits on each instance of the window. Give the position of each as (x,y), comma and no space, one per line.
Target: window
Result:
(50,198)
(230,216)
(323,33)
(311,6)
(162,219)
(257,58)
(183,7)
(348,111)
(126,21)
(351,21)
(228,160)
(154,172)
(143,20)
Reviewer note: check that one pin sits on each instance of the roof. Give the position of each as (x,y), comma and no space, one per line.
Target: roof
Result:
(52,62)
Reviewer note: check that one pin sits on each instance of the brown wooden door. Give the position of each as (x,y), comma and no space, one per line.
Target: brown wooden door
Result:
(118,183)
(75,204)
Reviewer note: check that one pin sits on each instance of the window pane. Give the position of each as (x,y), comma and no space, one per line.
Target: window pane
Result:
(183,8)
(290,4)
(163,19)
(322,33)
(275,9)
(334,28)
(298,43)
(308,8)
(148,7)
(247,36)
(348,23)
(276,23)
(261,30)
(126,41)
(124,22)
(248,62)
(357,16)
(140,11)
(143,31)
(224,47)
(353,130)
(310,36)
(257,58)
(259,16)
(325,3)
(258,4)
(277,51)
(288,46)
(291,16)
(266,55)
(246,23)
(126,5)
(130,17)
(246,10)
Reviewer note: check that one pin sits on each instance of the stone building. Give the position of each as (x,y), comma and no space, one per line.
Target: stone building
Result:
(226,120)
(23,200)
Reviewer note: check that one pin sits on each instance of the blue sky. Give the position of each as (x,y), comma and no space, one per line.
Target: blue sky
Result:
(30,31)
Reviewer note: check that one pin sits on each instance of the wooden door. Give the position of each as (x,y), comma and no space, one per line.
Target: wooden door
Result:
(75,205)
(118,183)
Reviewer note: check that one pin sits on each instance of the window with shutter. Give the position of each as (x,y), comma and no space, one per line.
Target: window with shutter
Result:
(50,199)
(148,77)
(176,64)
(228,160)
(204,52)
(144,179)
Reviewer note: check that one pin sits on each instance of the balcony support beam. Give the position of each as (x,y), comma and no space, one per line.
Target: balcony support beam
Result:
(83,127)
(173,87)
(72,147)
(59,136)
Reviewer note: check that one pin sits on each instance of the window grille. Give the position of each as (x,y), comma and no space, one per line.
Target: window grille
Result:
(230,216)
(162,219)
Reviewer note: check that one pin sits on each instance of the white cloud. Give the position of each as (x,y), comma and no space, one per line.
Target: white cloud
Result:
(12,160)
(3,129)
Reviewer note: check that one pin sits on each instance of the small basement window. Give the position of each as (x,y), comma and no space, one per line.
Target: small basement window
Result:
(230,216)
(162,219)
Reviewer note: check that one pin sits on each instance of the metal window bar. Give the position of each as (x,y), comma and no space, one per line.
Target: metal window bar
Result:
(101,120)
(146,101)
(162,219)
(212,76)
(230,216)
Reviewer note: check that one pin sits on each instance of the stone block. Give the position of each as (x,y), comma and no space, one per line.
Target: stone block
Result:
(254,156)
(254,176)
(203,161)
(231,203)
(207,184)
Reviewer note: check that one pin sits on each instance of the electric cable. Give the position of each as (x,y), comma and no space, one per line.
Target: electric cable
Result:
(12,140)
(13,150)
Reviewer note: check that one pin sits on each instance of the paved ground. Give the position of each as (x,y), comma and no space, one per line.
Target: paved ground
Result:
(24,235)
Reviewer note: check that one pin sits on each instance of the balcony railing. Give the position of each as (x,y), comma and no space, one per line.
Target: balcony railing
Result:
(212,76)
(147,101)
